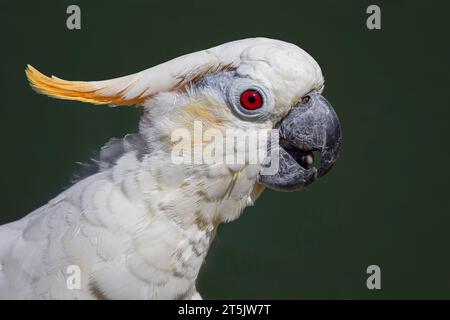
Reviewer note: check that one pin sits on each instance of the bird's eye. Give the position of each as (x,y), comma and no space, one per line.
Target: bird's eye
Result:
(251,99)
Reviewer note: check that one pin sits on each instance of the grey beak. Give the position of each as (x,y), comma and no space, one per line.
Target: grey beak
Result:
(311,126)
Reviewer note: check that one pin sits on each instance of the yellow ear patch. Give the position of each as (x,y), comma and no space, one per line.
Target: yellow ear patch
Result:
(202,112)
(77,90)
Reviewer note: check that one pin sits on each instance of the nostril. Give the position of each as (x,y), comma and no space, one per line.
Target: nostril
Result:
(306,99)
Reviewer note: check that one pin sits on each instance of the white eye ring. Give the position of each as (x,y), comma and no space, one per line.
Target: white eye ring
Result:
(241,85)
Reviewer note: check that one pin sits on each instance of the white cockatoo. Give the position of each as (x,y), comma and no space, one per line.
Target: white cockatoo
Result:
(141,225)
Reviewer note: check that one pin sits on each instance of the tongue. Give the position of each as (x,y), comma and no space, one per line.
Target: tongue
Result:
(307,160)
(303,158)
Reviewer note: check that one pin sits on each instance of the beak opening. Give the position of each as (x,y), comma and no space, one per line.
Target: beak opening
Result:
(312,126)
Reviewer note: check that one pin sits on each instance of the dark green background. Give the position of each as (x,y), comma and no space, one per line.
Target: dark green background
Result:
(385,203)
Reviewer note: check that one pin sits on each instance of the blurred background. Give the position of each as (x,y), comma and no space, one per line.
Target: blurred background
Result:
(385,203)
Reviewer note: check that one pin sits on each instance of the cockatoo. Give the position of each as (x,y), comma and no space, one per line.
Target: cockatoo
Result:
(140,227)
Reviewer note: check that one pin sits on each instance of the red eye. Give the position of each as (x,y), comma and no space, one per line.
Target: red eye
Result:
(251,99)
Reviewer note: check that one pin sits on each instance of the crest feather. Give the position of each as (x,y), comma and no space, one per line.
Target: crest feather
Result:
(128,90)
(82,90)
(289,70)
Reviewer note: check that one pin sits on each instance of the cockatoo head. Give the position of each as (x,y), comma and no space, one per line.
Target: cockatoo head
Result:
(249,85)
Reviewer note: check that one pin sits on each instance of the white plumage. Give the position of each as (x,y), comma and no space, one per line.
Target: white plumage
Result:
(140,227)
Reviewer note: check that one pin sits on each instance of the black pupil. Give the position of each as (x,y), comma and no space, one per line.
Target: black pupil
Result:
(251,99)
